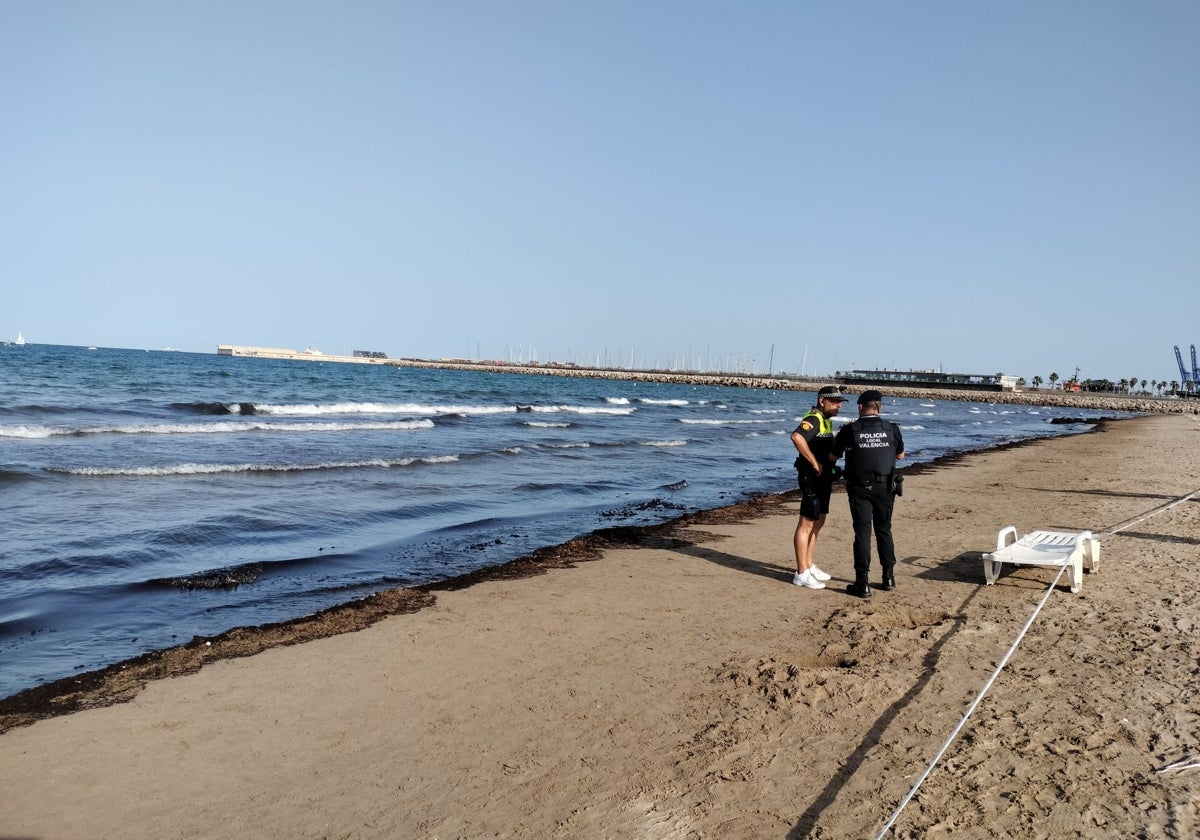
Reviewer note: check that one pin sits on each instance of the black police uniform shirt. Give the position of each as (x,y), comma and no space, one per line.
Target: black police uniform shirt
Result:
(871,445)
(818,434)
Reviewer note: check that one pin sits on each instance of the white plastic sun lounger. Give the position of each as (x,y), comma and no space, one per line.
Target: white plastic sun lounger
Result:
(1044,548)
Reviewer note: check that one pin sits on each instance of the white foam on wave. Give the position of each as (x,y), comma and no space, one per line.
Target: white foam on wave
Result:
(219,469)
(769,411)
(710,422)
(649,401)
(664,443)
(583,445)
(617,400)
(29,432)
(912,427)
(321,409)
(581,409)
(544,424)
(220,428)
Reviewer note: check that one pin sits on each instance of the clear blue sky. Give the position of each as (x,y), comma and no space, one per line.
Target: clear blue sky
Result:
(976,186)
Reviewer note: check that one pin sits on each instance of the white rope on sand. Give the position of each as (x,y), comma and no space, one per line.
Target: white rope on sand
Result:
(1185,764)
(1129,523)
(971,708)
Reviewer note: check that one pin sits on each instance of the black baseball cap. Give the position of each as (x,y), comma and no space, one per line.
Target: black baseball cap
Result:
(869,397)
(831,392)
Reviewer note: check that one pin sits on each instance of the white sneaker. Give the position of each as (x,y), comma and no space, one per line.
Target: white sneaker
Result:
(807,580)
(818,574)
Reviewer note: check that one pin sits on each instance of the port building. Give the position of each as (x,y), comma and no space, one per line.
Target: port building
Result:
(360,357)
(928,379)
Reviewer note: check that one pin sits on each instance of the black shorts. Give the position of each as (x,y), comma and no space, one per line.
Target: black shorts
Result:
(814,497)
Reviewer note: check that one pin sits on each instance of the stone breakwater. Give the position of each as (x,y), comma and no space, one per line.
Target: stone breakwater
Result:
(1066,399)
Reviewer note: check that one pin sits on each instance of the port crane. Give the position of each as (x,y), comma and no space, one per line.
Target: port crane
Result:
(1184,376)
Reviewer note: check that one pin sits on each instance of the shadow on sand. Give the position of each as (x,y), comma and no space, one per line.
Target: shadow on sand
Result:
(963,568)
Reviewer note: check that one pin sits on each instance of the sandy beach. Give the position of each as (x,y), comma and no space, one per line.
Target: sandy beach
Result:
(672,683)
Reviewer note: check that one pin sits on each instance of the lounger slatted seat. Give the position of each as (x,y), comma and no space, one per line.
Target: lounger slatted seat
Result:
(1044,548)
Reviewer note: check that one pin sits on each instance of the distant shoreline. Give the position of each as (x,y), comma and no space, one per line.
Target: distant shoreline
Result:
(1064,399)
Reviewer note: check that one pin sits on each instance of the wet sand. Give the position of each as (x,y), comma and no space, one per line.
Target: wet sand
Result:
(671,682)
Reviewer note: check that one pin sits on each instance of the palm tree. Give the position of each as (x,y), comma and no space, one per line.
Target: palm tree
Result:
(1143,384)
(1174,387)
(1053,379)
(1123,384)
(1037,382)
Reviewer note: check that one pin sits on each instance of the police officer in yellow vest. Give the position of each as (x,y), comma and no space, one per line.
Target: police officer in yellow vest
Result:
(813,439)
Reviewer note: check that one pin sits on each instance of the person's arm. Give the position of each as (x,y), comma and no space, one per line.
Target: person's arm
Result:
(841,441)
(805,452)
(899,445)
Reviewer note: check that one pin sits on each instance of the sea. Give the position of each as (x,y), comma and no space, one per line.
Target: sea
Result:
(153,496)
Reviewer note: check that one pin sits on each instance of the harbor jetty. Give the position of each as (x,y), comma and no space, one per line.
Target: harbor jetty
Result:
(1067,399)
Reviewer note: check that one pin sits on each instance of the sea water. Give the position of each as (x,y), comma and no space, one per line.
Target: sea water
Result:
(131,478)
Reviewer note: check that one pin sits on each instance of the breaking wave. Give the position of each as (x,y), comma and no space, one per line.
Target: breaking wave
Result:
(581,409)
(696,422)
(420,409)
(322,409)
(218,469)
(217,428)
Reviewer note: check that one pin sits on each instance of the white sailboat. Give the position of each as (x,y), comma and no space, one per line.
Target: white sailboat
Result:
(20,342)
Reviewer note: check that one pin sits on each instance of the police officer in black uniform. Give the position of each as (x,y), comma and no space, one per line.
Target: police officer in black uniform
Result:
(872,446)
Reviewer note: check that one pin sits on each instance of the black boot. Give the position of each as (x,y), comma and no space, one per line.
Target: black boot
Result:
(889,581)
(860,588)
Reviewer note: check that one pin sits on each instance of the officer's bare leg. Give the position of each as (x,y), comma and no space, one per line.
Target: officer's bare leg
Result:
(812,540)
(804,537)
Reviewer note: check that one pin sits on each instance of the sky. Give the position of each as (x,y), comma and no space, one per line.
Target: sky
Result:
(974,187)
